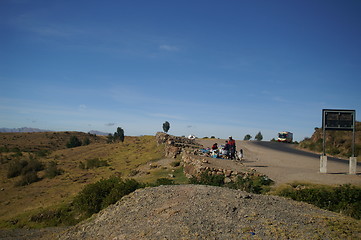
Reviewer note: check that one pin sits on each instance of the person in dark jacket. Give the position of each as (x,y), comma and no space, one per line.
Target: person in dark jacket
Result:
(232,147)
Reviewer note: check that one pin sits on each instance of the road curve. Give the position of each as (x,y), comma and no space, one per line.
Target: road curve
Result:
(283,163)
(291,148)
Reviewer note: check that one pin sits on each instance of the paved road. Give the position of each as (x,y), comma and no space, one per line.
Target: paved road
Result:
(285,164)
(291,148)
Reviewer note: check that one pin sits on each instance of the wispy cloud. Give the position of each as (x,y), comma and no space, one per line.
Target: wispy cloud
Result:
(166,116)
(169,48)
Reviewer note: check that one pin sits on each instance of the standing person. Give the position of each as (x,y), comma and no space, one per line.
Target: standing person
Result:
(232,147)
(226,150)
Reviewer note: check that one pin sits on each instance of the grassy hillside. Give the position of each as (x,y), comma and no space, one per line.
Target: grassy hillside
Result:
(338,143)
(79,166)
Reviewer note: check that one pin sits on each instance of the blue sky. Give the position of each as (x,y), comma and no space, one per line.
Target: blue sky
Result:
(208,67)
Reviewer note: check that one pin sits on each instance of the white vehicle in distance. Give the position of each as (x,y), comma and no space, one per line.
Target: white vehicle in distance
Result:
(285,137)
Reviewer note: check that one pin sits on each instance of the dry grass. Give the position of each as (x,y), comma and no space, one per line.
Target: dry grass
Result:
(122,158)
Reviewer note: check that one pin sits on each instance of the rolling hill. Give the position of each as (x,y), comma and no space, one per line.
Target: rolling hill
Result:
(338,143)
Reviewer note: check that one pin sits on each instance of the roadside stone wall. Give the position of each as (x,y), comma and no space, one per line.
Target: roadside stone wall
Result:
(175,145)
(194,165)
(194,161)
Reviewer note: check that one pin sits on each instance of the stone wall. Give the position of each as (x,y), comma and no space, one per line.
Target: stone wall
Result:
(194,161)
(194,165)
(175,145)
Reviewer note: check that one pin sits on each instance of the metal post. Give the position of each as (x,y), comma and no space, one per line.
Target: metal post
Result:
(323,158)
(324,141)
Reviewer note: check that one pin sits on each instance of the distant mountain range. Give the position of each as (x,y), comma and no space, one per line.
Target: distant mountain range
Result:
(98,133)
(28,129)
(23,129)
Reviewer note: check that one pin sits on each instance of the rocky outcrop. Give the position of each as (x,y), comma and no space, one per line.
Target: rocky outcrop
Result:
(175,145)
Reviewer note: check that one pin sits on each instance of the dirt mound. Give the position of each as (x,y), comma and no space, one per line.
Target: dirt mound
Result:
(206,212)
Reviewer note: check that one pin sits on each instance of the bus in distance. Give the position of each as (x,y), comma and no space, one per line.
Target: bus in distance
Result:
(285,137)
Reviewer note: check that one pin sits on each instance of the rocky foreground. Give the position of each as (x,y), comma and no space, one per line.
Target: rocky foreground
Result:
(206,212)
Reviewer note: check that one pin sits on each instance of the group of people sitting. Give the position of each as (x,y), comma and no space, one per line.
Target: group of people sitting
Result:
(228,150)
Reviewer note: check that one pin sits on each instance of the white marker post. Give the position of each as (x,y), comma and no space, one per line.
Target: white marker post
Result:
(323,164)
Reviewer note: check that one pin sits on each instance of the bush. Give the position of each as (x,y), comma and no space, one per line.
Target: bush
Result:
(61,216)
(86,141)
(344,199)
(101,194)
(164,181)
(15,168)
(252,184)
(4,149)
(95,163)
(28,178)
(52,170)
(42,153)
(34,165)
(73,142)
(206,178)
(175,164)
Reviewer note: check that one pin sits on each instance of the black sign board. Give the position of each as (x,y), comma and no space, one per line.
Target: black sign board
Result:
(333,119)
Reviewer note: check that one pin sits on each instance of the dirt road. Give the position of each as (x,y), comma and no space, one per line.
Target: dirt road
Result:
(285,164)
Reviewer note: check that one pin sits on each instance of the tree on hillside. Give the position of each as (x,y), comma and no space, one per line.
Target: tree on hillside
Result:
(110,138)
(166,126)
(259,136)
(247,137)
(73,142)
(119,134)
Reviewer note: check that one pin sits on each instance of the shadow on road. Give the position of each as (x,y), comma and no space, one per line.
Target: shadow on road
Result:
(290,148)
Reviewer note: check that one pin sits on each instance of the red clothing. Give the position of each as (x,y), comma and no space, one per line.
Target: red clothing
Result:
(232,142)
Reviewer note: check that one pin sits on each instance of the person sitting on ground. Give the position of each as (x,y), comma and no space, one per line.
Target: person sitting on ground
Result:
(215,146)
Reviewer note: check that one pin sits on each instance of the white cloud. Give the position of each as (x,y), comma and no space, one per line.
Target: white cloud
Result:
(169,48)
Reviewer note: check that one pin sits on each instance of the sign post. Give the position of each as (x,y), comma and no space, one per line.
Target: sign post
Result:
(333,119)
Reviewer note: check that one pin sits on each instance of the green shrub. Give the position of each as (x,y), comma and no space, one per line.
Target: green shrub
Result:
(34,165)
(28,178)
(73,142)
(120,189)
(344,199)
(61,216)
(15,168)
(52,170)
(164,181)
(95,163)
(82,165)
(206,178)
(42,153)
(86,141)
(252,184)
(4,149)
(101,194)
(175,164)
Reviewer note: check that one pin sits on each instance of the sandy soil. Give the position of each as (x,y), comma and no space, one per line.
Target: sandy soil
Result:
(285,167)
